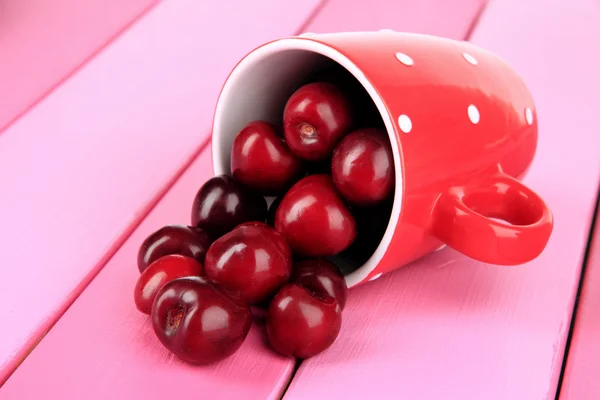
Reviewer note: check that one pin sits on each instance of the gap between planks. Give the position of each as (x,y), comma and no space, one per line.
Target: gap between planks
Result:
(467,36)
(141,216)
(35,341)
(78,66)
(584,266)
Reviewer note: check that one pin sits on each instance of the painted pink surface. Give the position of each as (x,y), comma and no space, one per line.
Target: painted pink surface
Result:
(580,381)
(104,347)
(42,42)
(82,167)
(443,17)
(448,327)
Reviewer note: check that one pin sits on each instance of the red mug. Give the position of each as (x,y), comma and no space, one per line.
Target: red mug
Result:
(462,126)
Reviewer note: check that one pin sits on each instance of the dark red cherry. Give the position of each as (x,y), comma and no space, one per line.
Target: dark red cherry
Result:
(252,261)
(362,167)
(161,271)
(301,323)
(174,239)
(313,219)
(199,322)
(321,276)
(262,161)
(222,203)
(315,118)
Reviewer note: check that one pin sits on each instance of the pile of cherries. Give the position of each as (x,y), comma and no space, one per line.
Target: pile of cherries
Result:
(198,282)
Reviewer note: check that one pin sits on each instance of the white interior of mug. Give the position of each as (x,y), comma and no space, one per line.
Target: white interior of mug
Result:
(258,88)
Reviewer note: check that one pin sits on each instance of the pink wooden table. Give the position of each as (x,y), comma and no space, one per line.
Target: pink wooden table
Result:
(96,151)
(452,328)
(581,374)
(88,162)
(42,42)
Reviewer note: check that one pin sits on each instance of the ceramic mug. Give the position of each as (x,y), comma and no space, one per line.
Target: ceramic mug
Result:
(462,126)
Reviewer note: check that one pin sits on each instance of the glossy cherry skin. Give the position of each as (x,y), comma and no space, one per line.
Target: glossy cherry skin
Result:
(185,240)
(301,323)
(222,203)
(273,235)
(313,219)
(262,161)
(321,276)
(362,167)
(198,321)
(161,271)
(315,118)
(252,261)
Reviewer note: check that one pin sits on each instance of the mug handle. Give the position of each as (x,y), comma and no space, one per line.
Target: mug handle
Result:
(497,220)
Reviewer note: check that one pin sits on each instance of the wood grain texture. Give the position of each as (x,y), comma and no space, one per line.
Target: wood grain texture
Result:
(104,348)
(43,41)
(580,381)
(448,327)
(82,167)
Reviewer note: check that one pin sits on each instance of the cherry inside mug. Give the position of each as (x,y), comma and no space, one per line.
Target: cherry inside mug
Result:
(462,127)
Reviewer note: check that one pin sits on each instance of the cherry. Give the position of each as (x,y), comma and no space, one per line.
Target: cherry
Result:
(315,118)
(222,203)
(362,167)
(302,323)
(313,219)
(161,271)
(173,239)
(252,261)
(321,276)
(261,160)
(273,235)
(199,322)
(364,110)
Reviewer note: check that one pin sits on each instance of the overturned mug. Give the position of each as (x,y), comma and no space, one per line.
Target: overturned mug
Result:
(462,126)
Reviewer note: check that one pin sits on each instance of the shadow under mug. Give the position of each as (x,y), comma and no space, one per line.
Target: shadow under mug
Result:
(462,126)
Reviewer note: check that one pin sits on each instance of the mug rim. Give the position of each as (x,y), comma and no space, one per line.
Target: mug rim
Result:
(308,44)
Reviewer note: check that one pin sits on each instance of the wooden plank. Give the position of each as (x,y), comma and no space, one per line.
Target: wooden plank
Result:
(42,42)
(105,347)
(433,17)
(580,381)
(452,328)
(79,170)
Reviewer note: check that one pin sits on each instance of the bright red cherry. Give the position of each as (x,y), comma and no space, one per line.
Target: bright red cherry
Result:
(161,271)
(199,322)
(222,203)
(174,239)
(313,219)
(261,160)
(302,323)
(315,118)
(321,276)
(362,167)
(252,261)
(273,235)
